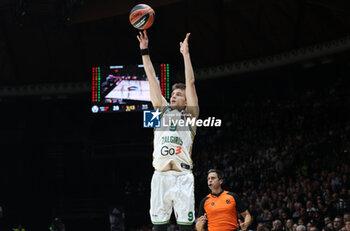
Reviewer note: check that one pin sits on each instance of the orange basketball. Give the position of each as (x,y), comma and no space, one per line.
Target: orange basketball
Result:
(141,16)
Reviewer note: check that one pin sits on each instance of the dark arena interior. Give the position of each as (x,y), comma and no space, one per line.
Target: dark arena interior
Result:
(277,74)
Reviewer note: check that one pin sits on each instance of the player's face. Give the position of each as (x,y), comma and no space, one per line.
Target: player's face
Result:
(213,181)
(178,98)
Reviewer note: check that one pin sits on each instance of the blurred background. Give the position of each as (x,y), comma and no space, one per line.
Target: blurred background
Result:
(276,72)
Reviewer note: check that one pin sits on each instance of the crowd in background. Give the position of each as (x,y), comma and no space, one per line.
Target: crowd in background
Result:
(286,156)
(288,160)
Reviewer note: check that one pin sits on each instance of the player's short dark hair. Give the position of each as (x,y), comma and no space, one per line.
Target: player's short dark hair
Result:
(181,86)
(220,174)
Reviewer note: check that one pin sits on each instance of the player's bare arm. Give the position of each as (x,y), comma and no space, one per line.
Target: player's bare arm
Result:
(191,94)
(247,220)
(157,98)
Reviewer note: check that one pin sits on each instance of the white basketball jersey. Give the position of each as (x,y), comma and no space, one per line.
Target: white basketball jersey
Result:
(173,142)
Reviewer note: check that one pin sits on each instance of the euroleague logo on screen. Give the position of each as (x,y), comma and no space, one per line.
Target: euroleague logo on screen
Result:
(94,109)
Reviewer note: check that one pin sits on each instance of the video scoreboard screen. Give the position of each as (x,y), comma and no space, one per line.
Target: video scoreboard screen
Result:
(124,88)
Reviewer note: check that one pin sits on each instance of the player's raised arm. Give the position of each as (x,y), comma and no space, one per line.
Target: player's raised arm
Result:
(191,94)
(157,98)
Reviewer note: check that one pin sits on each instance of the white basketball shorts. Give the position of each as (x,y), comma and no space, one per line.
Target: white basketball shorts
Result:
(172,190)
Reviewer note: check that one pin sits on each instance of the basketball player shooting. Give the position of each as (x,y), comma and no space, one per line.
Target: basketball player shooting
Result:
(172,185)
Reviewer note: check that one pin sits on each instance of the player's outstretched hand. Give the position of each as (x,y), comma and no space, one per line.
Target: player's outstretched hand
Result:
(143,39)
(184,45)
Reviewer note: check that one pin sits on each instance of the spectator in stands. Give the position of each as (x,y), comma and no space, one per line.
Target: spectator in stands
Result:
(347,225)
(327,220)
(346,216)
(260,227)
(295,227)
(277,225)
(337,223)
(301,228)
(289,225)
(301,221)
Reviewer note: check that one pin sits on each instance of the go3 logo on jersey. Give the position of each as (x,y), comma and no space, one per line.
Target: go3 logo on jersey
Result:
(165,150)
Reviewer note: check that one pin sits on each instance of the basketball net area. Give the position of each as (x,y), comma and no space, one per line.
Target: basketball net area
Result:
(131,90)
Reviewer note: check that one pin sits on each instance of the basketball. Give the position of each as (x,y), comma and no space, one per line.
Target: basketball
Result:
(141,16)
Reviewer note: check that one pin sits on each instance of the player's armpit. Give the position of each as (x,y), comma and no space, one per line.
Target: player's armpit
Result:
(161,107)
(193,111)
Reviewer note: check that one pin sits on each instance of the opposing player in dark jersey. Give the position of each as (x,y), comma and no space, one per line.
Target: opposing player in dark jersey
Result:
(218,211)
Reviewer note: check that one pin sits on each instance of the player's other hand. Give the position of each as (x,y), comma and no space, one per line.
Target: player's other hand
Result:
(184,45)
(202,219)
(143,39)
(243,225)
